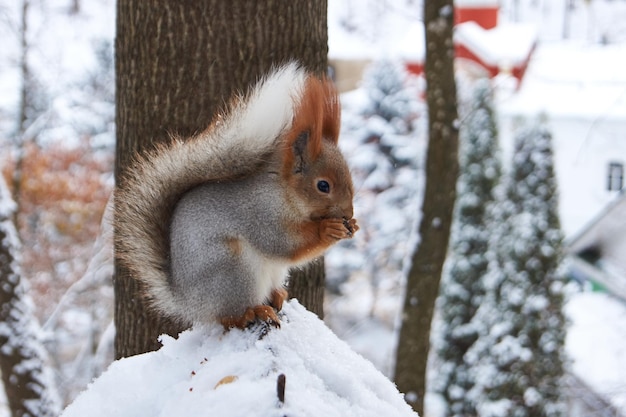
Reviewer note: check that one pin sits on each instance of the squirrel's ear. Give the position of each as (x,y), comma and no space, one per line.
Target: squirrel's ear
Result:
(316,119)
(299,151)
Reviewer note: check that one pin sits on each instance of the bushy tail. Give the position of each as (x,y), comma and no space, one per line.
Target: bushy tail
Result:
(233,146)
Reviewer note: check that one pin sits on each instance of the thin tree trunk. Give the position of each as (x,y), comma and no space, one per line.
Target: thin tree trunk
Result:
(434,230)
(23,106)
(24,68)
(177,63)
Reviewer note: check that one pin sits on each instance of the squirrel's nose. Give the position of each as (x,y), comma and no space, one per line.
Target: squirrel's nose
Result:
(338,212)
(347,212)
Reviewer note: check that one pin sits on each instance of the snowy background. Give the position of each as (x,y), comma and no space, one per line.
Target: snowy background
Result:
(579,84)
(577,77)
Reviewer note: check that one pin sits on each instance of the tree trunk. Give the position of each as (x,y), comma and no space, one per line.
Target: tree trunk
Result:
(23,361)
(307,285)
(177,63)
(24,69)
(434,230)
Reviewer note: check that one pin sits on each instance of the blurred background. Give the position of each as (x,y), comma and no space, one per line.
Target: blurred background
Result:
(558,66)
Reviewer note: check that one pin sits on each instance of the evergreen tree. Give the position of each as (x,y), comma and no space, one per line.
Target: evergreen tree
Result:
(24,371)
(520,359)
(381,133)
(462,287)
(385,82)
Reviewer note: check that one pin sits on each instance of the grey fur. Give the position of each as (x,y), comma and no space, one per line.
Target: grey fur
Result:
(207,276)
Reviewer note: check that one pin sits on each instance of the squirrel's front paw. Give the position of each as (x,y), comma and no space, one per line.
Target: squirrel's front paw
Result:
(350,226)
(333,230)
(337,229)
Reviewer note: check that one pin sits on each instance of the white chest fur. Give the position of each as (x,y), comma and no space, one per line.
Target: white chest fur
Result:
(269,273)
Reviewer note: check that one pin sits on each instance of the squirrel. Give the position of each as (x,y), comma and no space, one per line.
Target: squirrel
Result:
(211,225)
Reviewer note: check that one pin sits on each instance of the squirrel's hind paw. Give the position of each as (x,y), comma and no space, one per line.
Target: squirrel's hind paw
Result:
(261,313)
(278,297)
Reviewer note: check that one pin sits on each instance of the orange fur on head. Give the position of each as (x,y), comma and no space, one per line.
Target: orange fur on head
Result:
(318,113)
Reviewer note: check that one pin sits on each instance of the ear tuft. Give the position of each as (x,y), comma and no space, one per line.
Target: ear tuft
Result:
(332,112)
(318,114)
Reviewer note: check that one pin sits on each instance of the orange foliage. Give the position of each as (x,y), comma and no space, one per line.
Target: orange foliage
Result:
(61,199)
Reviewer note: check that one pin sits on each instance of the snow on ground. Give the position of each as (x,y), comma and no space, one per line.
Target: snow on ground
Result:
(210,372)
(596,344)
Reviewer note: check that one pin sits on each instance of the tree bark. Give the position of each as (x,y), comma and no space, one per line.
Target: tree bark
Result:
(177,63)
(307,285)
(434,229)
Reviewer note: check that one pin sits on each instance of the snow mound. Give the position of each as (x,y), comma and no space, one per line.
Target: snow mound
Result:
(209,372)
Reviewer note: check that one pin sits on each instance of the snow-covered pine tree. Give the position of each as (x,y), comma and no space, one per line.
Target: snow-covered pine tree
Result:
(386,161)
(24,369)
(385,83)
(520,359)
(462,287)
(380,132)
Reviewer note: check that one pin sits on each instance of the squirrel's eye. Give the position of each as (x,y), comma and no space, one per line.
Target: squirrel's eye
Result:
(323,186)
